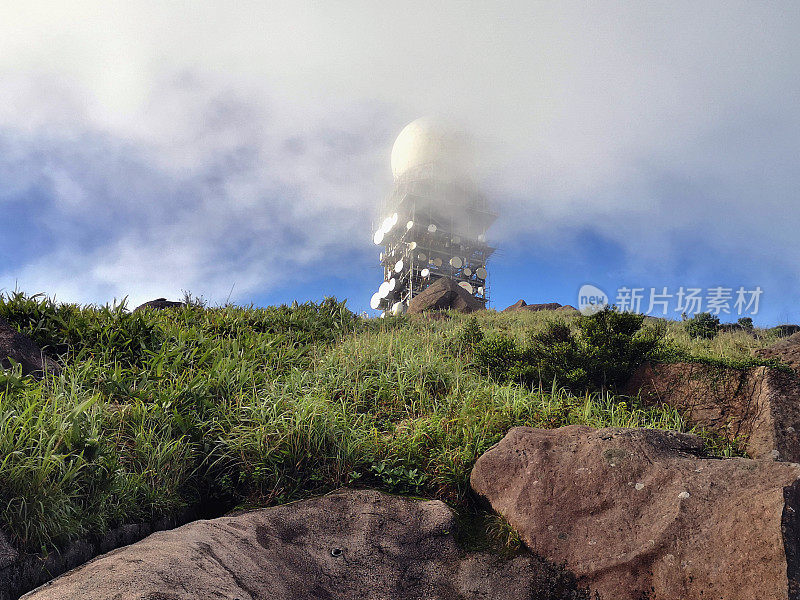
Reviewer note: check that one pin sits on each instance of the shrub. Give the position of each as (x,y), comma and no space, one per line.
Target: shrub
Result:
(745,323)
(604,351)
(466,338)
(702,325)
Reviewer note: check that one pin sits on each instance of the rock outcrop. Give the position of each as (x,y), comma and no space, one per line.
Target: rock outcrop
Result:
(349,545)
(444,294)
(759,407)
(786,351)
(23,350)
(158,304)
(21,572)
(636,514)
(522,305)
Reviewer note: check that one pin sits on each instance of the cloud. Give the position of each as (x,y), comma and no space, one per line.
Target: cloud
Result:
(161,147)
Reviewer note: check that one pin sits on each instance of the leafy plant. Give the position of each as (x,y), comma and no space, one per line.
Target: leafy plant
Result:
(702,325)
(602,353)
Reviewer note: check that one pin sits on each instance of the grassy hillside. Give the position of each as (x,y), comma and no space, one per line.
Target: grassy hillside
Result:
(156,411)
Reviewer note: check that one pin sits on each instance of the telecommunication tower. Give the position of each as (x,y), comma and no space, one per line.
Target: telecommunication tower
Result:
(434,221)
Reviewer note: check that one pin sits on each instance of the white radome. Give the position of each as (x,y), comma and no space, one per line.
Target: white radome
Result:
(428,141)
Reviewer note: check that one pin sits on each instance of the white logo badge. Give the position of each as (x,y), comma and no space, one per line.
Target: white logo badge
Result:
(591,299)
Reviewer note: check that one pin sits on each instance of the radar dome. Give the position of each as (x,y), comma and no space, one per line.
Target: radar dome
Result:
(432,143)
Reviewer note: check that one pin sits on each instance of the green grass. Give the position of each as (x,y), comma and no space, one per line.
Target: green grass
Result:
(157,411)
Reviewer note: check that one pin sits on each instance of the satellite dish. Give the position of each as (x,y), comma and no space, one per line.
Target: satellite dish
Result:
(425,272)
(375,301)
(431,228)
(410,225)
(456,262)
(397,308)
(468,272)
(437,262)
(383,290)
(398,266)
(481,273)
(383,315)
(466,286)
(481,238)
(412,245)
(378,237)
(393,219)
(422,256)
(480,291)
(386,224)
(392,284)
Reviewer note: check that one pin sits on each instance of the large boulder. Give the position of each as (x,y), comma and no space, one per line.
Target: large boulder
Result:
(757,407)
(636,513)
(349,545)
(158,304)
(23,350)
(444,294)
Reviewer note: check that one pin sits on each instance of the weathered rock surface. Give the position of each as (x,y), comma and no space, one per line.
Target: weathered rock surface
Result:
(759,406)
(445,294)
(23,350)
(158,304)
(786,351)
(635,514)
(522,305)
(351,545)
(20,572)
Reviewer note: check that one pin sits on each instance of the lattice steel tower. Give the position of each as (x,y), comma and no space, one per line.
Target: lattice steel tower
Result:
(434,221)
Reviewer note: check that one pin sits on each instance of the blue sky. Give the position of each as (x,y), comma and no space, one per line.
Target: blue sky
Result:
(241,151)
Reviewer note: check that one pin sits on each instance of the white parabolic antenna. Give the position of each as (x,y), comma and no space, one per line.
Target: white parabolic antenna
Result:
(375,301)
(431,142)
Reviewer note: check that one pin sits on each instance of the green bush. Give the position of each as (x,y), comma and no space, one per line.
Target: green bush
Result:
(702,325)
(601,354)
(745,323)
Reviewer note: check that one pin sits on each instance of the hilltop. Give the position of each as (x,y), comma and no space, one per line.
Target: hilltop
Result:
(163,416)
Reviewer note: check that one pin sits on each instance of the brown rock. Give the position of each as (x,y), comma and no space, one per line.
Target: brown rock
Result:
(635,514)
(786,351)
(23,350)
(158,304)
(516,306)
(758,407)
(445,294)
(349,545)
(522,305)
